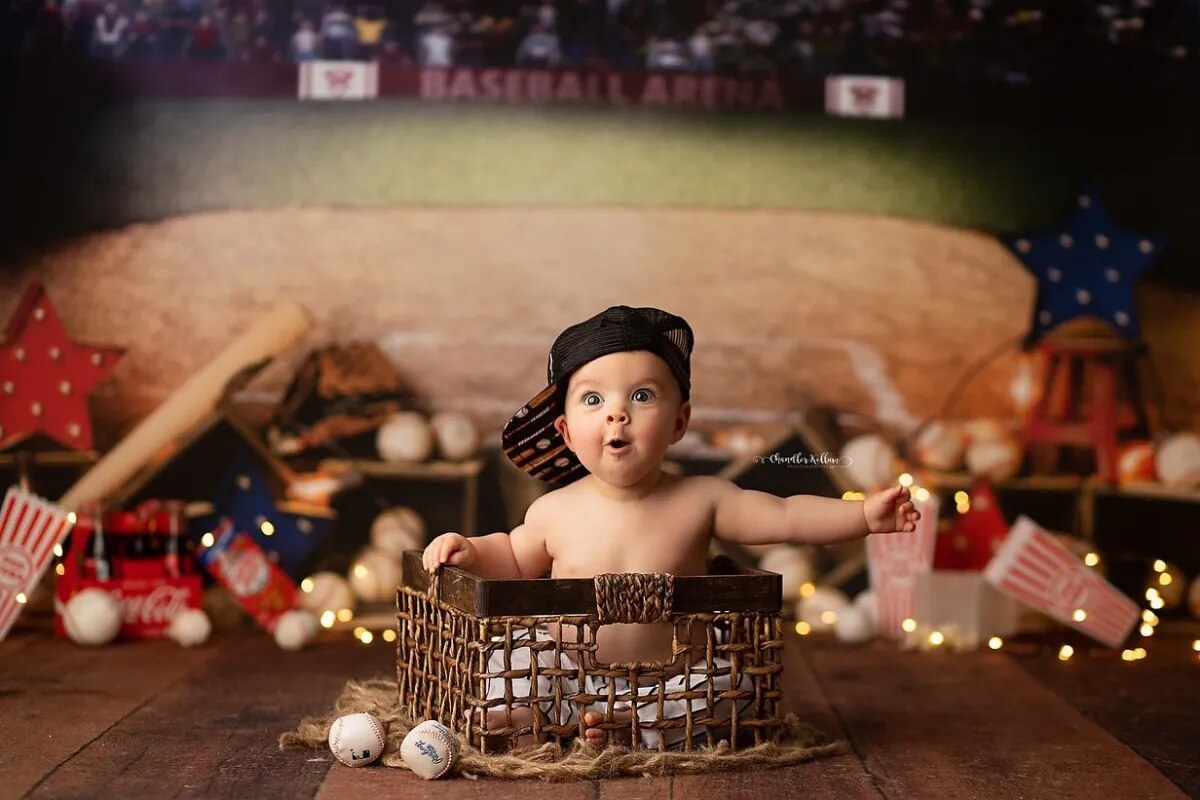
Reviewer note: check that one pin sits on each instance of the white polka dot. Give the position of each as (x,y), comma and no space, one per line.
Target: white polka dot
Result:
(561,461)
(1145,246)
(96,359)
(1065,240)
(55,353)
(1112,275)
(36,408)
(981,503)
(243,482)
(9,388)
(1122,318)
(542,444)
(74,430)
(39,313)
(1083,296)
(1054,274)
(1024,246)
(1085,201)
(65,387)
(1101,241)
(19,353)
(304,526)
(1044,317)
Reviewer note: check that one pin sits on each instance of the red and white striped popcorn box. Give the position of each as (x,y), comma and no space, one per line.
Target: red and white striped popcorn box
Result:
(1036,569)
(29,529)
(894,561)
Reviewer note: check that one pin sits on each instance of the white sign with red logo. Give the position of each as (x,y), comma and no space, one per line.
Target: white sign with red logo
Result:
(895,560)
(864,96)
(1035,568)
(339,80)
(29,529)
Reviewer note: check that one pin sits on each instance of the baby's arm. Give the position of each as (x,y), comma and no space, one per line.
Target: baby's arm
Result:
(520,554)
(750,517)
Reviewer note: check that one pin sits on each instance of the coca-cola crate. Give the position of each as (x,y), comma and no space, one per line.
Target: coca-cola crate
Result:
(140,558)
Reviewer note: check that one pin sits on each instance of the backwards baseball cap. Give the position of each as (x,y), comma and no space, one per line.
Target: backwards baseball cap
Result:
(530,439)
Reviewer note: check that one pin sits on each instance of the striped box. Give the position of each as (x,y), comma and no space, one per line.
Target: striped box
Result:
(29,529)
(895,560)
(1034,568)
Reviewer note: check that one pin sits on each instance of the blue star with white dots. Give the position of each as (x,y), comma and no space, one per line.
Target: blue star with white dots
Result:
(1086,269)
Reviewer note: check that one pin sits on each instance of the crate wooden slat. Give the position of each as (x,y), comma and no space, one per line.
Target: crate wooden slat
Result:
(747,590)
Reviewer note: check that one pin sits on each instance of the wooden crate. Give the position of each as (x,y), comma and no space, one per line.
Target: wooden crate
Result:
(452,624)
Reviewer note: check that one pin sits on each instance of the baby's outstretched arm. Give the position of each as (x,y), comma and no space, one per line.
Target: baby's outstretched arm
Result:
(750,517)
(520,554)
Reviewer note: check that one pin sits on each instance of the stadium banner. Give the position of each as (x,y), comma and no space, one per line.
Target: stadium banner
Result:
(864,96)
(611,88)
(339,80)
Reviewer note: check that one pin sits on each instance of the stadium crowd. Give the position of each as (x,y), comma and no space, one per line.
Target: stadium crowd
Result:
(1009,41)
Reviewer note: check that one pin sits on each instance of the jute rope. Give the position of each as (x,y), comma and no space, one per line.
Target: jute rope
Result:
(798,742)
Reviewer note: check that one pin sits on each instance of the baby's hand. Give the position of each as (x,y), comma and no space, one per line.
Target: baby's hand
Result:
(449,548)
(891,511)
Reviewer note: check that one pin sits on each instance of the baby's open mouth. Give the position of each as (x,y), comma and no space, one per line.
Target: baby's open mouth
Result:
(617,444)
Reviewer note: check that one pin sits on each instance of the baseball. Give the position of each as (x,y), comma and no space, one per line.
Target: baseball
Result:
(294,629)
(325,591)
(457,439)
(430,749)
(356,739)
(870,462)
(405,437)
(374,576)
(190,627)
(396,530)
(92,617)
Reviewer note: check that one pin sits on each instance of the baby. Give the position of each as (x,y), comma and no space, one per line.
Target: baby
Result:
(618,397)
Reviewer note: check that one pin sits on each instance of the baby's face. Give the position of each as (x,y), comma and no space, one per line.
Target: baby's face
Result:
(631,398)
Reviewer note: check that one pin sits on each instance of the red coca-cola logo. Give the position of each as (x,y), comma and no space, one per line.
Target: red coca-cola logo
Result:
(16,566)
(156,607)
(246,571)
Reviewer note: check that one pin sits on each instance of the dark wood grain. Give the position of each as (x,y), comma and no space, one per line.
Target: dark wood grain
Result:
(215,733)
(972,725)
(57,698)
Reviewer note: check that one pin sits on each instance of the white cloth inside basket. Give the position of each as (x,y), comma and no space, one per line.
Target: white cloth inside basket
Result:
(647,703)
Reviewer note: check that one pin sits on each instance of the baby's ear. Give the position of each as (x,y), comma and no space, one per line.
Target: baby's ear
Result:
(681,421)
(560,425)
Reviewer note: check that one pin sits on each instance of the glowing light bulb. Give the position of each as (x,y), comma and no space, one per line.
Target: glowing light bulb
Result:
(21,598)
(961,497)
(360,571)
(59,569)
(1140,653)
(1151,593)
(905,480)
(1066,652)
(1160,565)
(327,619)
(936,638)
(389,635)
(1196,645)
(1147,629)
(1128,655)
(909,625)
(345,615)
(803,628)
(367,637)
(829,617)
(921,494)
(58,551)
(1157,603)
(1080,615)
(267,528)
(1091,559)
(359,631)
(1165,579)
(207,539)
(995,642)
(1149,616)
(806,589)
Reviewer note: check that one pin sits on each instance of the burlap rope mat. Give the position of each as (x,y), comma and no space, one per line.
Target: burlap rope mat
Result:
(799,742)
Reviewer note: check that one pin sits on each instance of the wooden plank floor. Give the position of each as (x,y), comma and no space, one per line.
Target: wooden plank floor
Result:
(151,720)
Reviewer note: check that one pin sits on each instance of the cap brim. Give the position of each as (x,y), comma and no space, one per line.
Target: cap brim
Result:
(534,446)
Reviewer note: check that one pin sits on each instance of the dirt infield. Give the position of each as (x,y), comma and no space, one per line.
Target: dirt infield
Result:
(877,315)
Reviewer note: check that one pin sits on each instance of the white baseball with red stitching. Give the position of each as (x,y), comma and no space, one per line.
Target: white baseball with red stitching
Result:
(356,739)
(430,749)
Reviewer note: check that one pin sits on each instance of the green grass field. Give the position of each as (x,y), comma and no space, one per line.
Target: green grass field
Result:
(161,159)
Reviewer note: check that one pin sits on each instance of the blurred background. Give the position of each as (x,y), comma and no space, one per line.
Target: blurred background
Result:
(948,242)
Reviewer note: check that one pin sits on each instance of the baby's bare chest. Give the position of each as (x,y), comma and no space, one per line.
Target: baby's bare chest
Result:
(669,536)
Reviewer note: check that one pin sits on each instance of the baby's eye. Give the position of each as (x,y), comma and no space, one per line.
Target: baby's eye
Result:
(643,396)
(588,397)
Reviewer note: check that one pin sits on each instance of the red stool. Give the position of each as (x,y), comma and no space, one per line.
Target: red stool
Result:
(1089,396)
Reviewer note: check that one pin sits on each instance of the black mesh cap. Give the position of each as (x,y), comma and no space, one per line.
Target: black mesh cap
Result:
(530,440)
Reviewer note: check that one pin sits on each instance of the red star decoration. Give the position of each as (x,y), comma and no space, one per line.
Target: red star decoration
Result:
(45,378)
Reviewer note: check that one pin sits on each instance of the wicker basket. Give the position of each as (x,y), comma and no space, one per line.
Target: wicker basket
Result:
(452,624)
